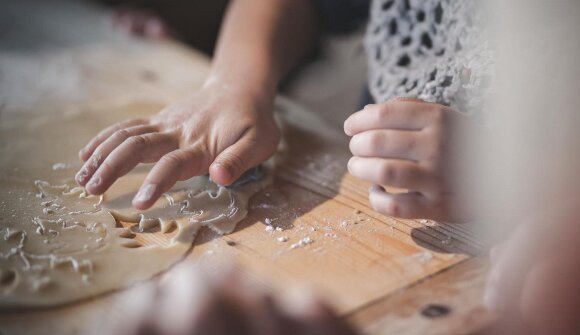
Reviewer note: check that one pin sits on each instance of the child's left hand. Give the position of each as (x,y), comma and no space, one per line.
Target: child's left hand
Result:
(413,145)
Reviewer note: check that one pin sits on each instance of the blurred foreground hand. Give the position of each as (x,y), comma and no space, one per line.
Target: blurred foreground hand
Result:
(193,301)
(535,278)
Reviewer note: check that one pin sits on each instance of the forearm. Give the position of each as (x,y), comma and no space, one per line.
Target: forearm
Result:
(261,42)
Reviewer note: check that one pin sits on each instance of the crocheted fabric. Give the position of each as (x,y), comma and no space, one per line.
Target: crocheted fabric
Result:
(429,49)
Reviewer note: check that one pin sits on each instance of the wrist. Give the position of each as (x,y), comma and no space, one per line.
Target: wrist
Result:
(242,84)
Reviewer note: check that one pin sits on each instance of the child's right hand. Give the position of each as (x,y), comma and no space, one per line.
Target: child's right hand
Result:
(222,129)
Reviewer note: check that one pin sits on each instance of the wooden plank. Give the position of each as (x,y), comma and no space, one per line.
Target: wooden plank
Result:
(353,258)
(421,308)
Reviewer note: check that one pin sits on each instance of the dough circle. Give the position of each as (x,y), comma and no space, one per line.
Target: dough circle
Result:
(63,246)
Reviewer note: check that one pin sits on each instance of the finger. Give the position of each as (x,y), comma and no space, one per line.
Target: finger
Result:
(231,163)
(177,165)
(88,150)
(267,318)
(395,114)
(391,172)
(312,316)
(324,321)
(411,205)
(386,144)
(105,148)
(246,297)
(200,304)
(136,149)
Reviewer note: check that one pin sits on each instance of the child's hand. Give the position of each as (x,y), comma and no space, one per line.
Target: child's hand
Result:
(409,144)
(217,130)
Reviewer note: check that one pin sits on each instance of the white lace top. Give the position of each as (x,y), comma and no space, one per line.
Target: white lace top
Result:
(430,49)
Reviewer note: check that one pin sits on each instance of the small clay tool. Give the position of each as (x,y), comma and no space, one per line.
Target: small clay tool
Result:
(254,174)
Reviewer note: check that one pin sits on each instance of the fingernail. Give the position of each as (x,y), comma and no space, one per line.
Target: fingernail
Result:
(223,168)
(82,175)
(94,161)
(349,164)
(95,181)
(375,188)
(145,193)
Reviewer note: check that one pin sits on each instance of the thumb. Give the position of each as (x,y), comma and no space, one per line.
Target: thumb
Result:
(231,163)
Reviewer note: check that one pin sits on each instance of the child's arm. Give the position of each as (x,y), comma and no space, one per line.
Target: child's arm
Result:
(225,128)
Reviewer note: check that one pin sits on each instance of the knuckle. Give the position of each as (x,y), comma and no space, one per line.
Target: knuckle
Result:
(440,115)
(107,168)
(173,160)
(95,160)
(121,134)
(136,145)
(411,143)
(138,141)
(429,144)
(393,208)
(383,112)
(131,122)
(434,151)
(116,126)
(406,208)
(376,140)
(388,173)
(431,152)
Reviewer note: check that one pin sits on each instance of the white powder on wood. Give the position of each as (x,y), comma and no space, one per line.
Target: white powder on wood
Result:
(303,242)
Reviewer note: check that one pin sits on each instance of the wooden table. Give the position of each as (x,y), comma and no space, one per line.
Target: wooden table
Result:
(386,275)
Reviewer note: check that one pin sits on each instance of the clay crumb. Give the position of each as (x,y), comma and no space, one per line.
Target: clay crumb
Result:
(423,257)
(60,166)
(282,239)
(269,229)
(303,242)
(331,235)
(356,212)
